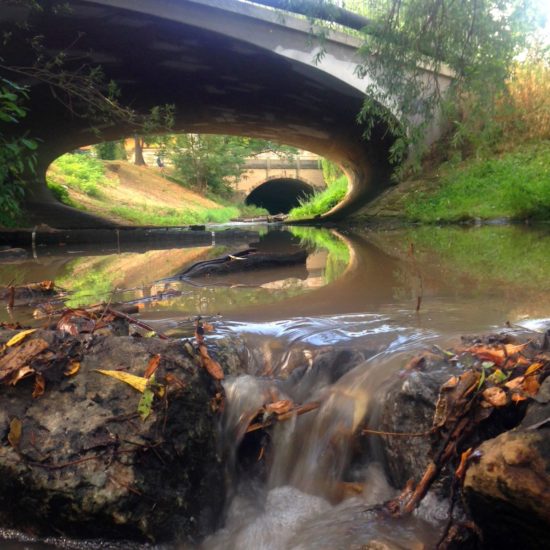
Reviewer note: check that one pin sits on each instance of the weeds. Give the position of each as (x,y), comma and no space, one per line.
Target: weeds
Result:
(322,202)
(514,185)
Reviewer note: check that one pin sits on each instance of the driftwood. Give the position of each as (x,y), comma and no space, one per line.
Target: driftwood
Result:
(244,260)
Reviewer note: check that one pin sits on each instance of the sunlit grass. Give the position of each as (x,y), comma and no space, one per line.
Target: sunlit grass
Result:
(148,215)
(514,185)
(321,202)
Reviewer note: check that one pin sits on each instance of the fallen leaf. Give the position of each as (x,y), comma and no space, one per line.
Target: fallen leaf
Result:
(76,321)
(145,404)
(208,327)
(279,407)
(464,457)
(20,356)
(533,368)
(47,285)
(517,397)
(531,385)
(451,383)
(14,435)
(497,377)
(152,366)
(74,367)
(515,383)
(23,372)
(174,381)
(495,397)
(488,354)
(137,382)
(213,367)
(512,349)
(39,386)
(19,337)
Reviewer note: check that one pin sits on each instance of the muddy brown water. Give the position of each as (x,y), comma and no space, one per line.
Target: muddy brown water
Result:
(358,290)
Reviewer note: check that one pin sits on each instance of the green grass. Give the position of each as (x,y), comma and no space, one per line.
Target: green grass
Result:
(82,172)
(147,215)
(514,185)
(338,255)
(321,202)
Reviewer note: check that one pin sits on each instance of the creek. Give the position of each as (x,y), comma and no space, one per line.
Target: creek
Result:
(367,300)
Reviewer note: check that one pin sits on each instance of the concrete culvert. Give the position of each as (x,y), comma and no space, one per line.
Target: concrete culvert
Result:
(280,195)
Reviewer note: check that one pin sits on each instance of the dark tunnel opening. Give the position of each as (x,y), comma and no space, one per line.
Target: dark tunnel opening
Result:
(280,195)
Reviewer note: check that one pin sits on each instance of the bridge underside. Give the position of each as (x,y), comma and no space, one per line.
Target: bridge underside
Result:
(280,195)
(217,83)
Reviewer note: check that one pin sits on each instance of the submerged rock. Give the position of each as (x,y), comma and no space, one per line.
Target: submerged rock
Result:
(85,464)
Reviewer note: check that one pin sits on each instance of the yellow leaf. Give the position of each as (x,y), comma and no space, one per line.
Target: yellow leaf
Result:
(74,367)
(137,382)
(19,337)
(533,368)
(14,435)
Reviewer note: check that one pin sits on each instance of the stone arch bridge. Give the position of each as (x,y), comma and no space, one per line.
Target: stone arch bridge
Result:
(229,67)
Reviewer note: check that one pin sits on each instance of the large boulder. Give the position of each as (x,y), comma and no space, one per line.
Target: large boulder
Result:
(508,488)
(85,464)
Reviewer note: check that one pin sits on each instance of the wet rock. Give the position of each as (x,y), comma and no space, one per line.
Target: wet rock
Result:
(508,490)
(407,404)
(86,465)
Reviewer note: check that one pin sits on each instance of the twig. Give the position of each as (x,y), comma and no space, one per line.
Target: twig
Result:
(368,431)
(140,324)
(302,409)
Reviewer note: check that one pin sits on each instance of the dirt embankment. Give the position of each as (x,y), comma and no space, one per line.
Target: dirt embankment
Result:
(135,187)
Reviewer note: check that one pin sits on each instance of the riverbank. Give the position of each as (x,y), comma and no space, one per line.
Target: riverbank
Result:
(125,194)
(509,186)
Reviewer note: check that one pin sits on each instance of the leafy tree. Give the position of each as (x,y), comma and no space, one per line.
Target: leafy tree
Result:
(110,150)
(17,153)
(406,43)
(213,162)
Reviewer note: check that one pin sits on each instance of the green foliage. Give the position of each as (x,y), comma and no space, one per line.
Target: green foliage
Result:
(213,163)
(146,215)
(17,152)
(252,211)
(331,171)
(81,172)
(110,150)
(321,202)
(515,185)
(338,255)
(60,192)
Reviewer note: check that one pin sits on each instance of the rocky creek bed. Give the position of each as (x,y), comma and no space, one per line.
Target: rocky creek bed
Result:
(78,457)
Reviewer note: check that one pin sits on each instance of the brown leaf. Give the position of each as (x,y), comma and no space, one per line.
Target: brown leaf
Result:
(47,285)
(75,322)
(211,365)
(495,397)
(531,385)
(39,386)
(174,381)
(416,362)
(279,407)
(73,368)
(486,353)
(152,366)
(515,383)
(461,470)
(517,397)
(512,349)
(20,356)
(23,372)
(451,383)
(14,435)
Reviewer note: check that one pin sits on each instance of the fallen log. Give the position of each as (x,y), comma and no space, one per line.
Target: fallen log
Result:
(241,261)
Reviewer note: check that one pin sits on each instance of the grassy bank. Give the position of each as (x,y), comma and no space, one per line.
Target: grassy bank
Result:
(513,185)
(321,202)
(132,195)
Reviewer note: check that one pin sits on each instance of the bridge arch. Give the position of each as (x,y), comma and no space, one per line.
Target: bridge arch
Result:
(227,67)
(278,195)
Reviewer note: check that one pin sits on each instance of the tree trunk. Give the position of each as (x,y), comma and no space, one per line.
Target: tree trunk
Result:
(138,151)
